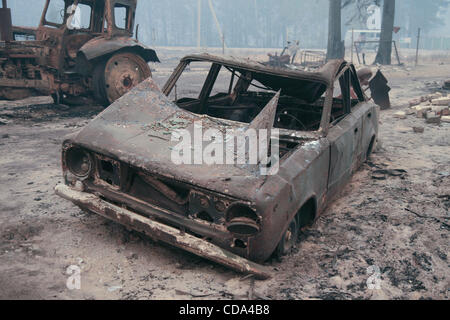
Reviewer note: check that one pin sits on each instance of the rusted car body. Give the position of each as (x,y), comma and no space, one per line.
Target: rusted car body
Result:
(81,48)
(120,164)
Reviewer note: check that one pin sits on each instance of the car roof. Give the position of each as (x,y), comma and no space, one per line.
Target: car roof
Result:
(308,85)
(325,74)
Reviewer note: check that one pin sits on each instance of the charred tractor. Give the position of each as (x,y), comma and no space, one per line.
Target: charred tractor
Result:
(121,165)
(82,48)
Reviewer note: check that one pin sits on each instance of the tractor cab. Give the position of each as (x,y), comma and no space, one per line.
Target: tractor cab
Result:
(100,17)
(70,24)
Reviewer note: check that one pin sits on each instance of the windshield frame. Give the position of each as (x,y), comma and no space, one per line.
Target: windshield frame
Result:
(182,67)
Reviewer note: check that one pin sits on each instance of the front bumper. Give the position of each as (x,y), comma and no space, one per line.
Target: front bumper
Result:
(162,232)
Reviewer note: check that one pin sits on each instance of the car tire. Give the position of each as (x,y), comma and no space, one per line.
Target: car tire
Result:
(288,241)
(370,149)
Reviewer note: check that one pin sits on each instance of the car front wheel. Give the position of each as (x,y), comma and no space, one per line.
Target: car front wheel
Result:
(288,240)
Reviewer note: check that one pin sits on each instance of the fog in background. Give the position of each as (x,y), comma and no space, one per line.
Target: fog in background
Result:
(260,23)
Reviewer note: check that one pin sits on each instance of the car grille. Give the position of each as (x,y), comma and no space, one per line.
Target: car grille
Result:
(109,171)
(175,196)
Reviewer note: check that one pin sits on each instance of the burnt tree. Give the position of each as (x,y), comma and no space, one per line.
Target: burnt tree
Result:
(336,49)
(387,28)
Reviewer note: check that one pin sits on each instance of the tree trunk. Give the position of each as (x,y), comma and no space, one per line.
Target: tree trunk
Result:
(387,29)
(336,48)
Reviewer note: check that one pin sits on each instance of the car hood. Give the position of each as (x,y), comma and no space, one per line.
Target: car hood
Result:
(137,129)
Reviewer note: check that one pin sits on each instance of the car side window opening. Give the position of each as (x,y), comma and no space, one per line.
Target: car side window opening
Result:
(226,79)
(346,95)
(356,84)
(234,94)
(186,91)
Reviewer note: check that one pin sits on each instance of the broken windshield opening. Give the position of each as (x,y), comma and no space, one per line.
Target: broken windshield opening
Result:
(240,95)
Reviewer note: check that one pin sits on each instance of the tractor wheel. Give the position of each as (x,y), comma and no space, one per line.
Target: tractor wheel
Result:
(122,72)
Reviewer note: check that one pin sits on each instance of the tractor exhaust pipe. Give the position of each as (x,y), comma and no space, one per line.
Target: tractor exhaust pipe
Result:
(5,23)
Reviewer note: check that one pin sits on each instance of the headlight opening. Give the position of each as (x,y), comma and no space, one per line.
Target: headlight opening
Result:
(242,220)
(79,162)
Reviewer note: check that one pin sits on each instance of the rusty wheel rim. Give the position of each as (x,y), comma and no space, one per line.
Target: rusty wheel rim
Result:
(122,73)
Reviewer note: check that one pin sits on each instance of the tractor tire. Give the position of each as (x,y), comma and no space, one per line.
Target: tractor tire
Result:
(98,84)
(118,75)
(114,77)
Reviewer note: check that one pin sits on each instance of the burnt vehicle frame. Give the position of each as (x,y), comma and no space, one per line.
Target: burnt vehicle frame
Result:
(80,48)
(128,176)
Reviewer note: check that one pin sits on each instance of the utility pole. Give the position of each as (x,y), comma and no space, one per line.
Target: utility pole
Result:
(219,29)
(6,33)
(199,23)
(417,50)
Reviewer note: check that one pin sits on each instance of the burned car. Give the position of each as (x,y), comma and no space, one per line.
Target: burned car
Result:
(121,165)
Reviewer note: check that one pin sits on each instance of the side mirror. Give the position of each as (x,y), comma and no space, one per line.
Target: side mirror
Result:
(380,90)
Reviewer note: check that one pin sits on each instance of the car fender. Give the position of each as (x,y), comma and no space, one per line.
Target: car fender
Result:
(301,177)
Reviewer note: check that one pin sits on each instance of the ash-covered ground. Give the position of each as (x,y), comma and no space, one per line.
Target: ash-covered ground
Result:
(396,222)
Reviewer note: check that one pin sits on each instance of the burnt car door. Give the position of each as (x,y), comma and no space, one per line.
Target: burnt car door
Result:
(344,135)
(367,117)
